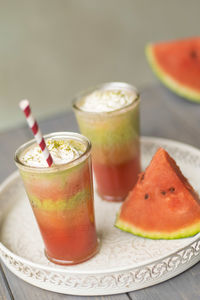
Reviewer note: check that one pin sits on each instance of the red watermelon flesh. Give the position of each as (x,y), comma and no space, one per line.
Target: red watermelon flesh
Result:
(177,65)
(163,204)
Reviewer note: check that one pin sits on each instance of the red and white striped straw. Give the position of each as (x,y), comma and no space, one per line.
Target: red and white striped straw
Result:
(25,107)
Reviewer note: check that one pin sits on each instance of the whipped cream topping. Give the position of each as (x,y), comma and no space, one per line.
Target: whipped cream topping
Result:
(106,100)
(62,151)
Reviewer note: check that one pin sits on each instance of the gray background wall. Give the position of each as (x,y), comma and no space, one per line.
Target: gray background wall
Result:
(51,49)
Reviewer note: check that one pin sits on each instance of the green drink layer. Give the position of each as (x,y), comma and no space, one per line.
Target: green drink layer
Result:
(115,138)
(59,191)
(110,130)
(61,196)
(79,198)
(62,189)
(109,117)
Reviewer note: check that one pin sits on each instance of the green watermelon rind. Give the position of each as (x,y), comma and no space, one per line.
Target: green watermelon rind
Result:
(181,233)
(167,80)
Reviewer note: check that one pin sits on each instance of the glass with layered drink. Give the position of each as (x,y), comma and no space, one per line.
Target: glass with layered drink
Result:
(61,196)
(109,116)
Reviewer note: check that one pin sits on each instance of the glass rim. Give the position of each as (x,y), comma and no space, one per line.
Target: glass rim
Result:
(54,167)
(106,86)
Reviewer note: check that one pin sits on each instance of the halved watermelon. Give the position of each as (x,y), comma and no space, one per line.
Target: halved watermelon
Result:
(177,65)
(163,204)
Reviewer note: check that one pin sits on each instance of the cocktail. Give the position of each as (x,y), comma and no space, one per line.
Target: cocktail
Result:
(61,196)
(109,116)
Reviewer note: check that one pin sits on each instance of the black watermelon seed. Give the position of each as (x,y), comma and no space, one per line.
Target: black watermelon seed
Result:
(146,196)
(163,192)
(193,54)
(142,177)
(172,189)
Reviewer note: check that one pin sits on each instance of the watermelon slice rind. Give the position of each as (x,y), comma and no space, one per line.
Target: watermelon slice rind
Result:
(167,80)
(162,204)
(181,233)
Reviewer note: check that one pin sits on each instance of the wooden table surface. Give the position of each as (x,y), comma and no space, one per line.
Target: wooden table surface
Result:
(162,115)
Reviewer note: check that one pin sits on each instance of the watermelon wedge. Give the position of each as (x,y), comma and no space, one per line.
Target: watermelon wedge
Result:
(177,65)
(163,204)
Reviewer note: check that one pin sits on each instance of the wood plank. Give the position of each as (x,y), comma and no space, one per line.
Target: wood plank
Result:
(182,287)
(165,115)
(5,291)
(162,293)
(10,141)
(62,122)
(187,284)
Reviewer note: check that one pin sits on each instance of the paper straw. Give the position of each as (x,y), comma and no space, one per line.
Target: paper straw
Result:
(25,107)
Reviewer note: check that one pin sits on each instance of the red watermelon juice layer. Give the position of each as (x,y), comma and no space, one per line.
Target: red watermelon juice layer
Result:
(62,201)
(115,141)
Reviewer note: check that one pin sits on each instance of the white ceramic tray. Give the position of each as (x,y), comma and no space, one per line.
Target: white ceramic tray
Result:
(125,262)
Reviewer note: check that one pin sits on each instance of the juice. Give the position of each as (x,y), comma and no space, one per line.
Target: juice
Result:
(61,196)
(109,116)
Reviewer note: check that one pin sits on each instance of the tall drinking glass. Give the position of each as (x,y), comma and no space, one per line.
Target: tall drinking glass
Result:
(61,197)
(114,135)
